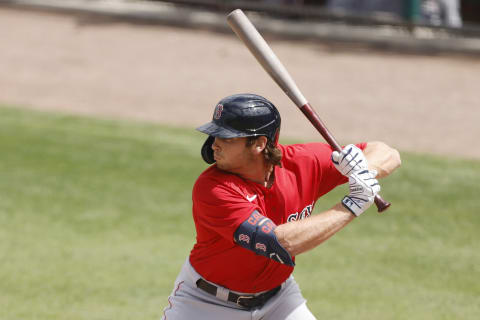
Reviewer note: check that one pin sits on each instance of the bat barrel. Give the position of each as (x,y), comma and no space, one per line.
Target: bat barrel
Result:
(249,35)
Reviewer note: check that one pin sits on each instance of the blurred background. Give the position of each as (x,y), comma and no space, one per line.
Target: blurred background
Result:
(448,13)
(98,153)
(407,70)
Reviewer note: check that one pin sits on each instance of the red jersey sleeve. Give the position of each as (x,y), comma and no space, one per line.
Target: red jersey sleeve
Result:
(219,206)
(316,159)
(329,177)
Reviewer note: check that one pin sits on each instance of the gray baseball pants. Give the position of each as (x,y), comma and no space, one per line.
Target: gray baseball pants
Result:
(187,302)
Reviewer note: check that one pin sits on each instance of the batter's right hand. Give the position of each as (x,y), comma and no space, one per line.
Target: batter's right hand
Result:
(363,189)
(350,160)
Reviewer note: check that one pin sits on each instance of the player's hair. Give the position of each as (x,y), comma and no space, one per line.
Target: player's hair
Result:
(271,153)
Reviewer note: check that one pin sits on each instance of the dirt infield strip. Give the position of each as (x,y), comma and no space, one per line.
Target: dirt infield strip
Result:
(175,76)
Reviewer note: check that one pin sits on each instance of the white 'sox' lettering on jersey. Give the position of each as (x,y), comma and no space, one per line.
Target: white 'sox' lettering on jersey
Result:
(305,213)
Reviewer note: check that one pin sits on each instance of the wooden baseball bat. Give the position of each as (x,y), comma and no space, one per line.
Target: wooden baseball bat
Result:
(247,32)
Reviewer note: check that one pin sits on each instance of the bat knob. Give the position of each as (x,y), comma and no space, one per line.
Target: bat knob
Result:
(381,204)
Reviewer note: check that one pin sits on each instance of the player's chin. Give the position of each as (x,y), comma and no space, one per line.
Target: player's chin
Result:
(222,164)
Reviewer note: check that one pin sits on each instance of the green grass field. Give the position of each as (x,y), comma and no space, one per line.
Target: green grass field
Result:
(95,223)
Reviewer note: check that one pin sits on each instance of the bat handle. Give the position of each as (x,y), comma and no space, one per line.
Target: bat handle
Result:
(310,113)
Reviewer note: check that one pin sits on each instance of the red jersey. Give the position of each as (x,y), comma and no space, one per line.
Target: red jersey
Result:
(222,201)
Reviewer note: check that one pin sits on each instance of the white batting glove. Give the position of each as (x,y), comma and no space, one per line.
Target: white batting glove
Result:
(351,159)
(363,188)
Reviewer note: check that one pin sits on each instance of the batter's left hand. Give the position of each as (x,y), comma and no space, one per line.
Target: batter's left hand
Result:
(350,160)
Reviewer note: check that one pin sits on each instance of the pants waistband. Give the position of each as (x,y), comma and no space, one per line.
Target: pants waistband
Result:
(246,301)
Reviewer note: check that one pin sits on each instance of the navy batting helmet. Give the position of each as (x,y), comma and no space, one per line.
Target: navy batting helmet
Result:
(241,115)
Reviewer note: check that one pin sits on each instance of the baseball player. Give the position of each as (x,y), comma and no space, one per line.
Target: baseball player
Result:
(252,212)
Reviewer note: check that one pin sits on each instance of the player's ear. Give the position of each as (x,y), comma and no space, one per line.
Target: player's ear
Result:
(261,144)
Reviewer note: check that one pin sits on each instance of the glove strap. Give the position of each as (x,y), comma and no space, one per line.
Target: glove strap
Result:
(348,203)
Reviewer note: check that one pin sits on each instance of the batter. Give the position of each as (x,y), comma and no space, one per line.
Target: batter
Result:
(252,212)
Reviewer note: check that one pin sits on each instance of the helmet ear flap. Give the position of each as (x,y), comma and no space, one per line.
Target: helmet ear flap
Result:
(207,151)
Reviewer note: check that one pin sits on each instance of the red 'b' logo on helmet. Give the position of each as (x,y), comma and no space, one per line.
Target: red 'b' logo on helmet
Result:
(218,112)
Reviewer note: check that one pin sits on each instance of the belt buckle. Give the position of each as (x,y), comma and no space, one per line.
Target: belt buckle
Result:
(244,297)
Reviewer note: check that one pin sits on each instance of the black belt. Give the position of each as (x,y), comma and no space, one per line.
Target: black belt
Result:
(248,301)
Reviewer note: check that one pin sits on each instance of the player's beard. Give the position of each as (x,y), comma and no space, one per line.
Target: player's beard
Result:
(223,164)
(233,164)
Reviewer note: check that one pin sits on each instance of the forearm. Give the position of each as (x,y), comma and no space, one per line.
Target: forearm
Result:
(300,236)
(382,158)
(303,235)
